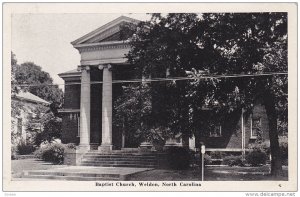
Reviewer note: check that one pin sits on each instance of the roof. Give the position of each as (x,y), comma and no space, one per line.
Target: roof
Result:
(31,97)
(70,73)
(103,28)
(97,38)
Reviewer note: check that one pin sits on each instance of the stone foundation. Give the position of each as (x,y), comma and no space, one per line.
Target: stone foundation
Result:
(73,157)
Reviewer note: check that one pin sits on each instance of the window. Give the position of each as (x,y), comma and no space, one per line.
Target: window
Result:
(216,131)
(255,127)
(19,126)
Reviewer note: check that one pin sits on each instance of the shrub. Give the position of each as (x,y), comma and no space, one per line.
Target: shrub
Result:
(233,160)
(51,152)
(256,158)
(13,152)
(25,149)
(71,146)
(217,155)
(194,159)
(262,147)
(207,159)
(178,158)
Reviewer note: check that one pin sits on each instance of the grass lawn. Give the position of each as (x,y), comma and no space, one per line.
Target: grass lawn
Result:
(214,173)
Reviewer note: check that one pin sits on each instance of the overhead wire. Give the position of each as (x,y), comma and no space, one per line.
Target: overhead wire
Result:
(149,80)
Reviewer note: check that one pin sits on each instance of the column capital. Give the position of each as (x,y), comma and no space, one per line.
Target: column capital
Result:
(102,66)
(83,67)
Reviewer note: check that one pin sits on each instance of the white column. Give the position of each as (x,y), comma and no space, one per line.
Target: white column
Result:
(106,143)
(85,106)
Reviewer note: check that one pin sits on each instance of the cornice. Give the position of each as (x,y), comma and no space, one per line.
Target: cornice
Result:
(104,61)
(69,75)
(102,46)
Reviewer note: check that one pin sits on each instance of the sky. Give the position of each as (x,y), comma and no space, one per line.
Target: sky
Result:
(45,39)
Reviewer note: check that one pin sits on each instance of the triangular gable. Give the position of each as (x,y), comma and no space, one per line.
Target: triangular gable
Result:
(107,32)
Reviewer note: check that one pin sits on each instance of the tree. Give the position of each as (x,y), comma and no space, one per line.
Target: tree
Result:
(39,82)
(45,124)
(13,71)
(133,113)
(253,44)
(217,44)
(16,106)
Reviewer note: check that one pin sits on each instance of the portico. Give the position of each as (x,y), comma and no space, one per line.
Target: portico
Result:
(85,107)
(90,107)
(102,60)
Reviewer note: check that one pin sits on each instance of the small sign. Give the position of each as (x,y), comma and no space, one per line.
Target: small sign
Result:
(203,149)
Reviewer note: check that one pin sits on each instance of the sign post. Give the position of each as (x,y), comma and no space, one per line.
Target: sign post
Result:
(202,153)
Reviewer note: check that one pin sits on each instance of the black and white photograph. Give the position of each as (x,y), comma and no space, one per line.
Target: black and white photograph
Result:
(151,101)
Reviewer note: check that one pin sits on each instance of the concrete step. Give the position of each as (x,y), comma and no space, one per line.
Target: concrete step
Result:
(120,155)
(132,165)
(83,173)
(71,178)
(130,149)
(123,150)
(120,162)
(118,159)
(72,174)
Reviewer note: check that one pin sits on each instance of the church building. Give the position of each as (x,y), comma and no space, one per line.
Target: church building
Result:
(87,113)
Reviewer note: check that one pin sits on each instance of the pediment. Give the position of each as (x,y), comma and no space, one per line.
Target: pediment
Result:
(105,33)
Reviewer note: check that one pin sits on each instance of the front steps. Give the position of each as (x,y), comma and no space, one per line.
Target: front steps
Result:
(96,166)
(83,173)
(70,176)
(120,159)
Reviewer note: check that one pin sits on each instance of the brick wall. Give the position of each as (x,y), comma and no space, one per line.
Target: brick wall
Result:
(231,135)
(69,120)
(259,111)
(231,131)
(96,106)
(72,95)
(70,128)
(72,101)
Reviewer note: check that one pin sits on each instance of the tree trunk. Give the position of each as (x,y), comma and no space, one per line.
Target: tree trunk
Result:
(276,164)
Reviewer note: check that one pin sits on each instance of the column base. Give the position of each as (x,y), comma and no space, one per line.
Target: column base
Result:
(94,146)
(106,148)
(73,157)
(83,147)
